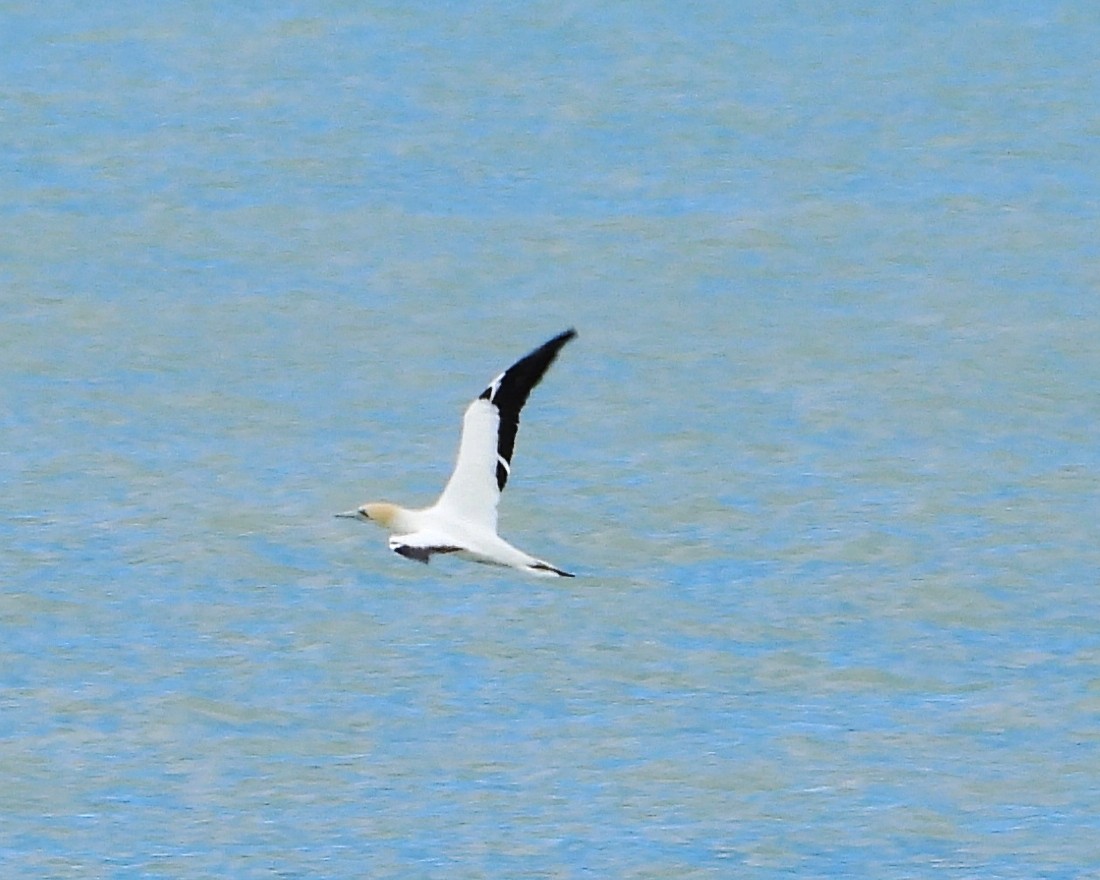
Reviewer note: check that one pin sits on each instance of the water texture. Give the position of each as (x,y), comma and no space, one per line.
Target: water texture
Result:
(824,453)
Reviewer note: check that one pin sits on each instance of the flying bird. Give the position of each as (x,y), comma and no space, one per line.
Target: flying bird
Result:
(463,521)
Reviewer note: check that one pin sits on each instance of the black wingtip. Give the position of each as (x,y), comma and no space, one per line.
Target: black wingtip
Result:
(558,341)
(510,390)
(546,566)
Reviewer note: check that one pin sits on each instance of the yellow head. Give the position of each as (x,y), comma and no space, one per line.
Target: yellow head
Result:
(380,512)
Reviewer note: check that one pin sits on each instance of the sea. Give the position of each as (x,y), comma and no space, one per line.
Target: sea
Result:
(824,455)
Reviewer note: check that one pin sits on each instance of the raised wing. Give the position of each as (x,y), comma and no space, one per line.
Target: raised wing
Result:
(489,436)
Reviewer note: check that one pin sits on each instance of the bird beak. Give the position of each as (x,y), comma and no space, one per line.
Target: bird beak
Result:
(352,514)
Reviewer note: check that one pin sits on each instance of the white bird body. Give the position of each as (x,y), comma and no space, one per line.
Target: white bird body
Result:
(463,521)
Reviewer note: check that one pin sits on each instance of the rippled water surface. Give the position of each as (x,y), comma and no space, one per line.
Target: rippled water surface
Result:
(824,453)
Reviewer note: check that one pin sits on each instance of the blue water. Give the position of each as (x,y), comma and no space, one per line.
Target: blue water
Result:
(824,453)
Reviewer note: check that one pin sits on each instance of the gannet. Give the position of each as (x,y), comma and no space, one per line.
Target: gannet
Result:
(463,521)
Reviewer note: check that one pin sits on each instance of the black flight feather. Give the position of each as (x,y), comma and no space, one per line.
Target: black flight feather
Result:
(509,392)
(422,554)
